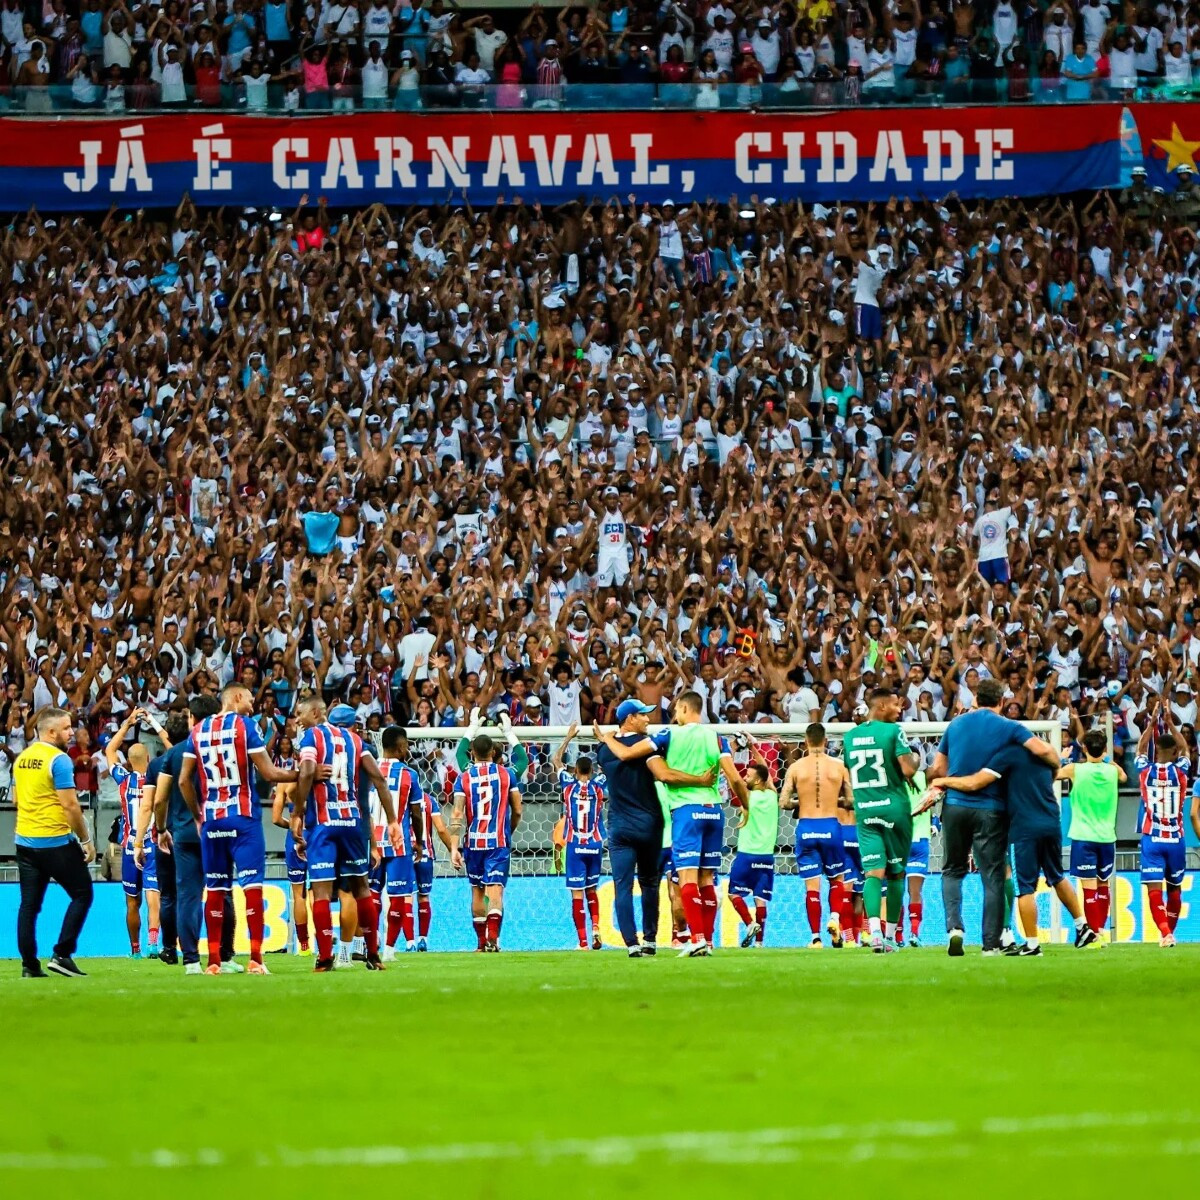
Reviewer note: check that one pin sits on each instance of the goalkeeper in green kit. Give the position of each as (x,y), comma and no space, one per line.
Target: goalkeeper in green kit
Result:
(880,762)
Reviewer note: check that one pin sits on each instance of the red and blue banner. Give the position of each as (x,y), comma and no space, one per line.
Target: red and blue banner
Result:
(406,158)
(1169,137)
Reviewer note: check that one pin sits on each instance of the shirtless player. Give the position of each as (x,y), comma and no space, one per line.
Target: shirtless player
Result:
(817,786)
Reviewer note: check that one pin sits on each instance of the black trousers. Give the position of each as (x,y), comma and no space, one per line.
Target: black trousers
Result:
(628,856)
(964,829)
(37,868)
(167,891)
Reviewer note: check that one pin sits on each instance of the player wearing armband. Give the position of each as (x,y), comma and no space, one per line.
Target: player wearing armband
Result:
(583,832)
(752,874)
(881,763)
(330,825)
(216,780)
(1163,782)
(1093,829)
(487,809)
(396,870)
(817,786)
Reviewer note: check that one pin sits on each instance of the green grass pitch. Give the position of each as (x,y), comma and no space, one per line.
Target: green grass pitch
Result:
(753,1074)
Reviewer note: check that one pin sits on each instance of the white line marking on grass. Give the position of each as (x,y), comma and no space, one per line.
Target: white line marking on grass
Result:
(910,1140)
(52,1162)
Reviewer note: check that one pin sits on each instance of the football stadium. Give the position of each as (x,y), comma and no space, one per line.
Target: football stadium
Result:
(656,542)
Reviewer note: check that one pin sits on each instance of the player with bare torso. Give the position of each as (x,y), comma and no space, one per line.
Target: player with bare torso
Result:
(816,787)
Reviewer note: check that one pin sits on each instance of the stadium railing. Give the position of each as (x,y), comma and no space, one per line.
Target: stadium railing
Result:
(819,94)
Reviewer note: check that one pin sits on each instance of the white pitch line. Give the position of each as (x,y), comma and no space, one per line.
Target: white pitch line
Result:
(894,1139)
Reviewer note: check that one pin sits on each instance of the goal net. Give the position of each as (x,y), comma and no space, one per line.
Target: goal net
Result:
(439,755)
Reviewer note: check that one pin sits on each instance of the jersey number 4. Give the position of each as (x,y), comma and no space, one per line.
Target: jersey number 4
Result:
(866,769)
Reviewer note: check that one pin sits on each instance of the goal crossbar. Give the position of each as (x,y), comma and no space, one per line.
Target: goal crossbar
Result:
(1051,731)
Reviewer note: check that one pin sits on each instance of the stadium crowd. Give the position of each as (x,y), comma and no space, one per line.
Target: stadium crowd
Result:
(118,54)
(534,461)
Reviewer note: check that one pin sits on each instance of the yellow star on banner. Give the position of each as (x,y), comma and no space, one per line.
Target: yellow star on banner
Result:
(1179,151)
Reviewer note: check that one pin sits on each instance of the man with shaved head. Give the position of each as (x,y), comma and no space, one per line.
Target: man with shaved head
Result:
(216,780)
(138,872)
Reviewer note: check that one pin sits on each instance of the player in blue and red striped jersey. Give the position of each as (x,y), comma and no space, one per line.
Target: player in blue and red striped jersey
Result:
(583,835)
(331,824)
(217,782)
(130,780)
(432,824)
(1163,782)
(396,871)
(487,809)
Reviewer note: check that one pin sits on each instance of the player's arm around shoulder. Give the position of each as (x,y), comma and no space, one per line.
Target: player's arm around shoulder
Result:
(1043,751)
(642,748)
(974,782)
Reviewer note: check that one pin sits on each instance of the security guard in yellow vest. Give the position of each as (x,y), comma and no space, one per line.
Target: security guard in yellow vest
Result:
(53,843)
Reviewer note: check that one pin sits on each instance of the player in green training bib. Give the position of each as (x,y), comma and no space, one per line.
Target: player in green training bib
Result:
(880,763)
(918,860)
(1093,830)
(752,873)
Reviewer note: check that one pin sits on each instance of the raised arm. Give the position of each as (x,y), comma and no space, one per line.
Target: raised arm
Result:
(112,752)
(559,754)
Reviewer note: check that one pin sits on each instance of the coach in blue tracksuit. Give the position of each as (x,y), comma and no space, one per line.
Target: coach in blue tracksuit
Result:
(635,820)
